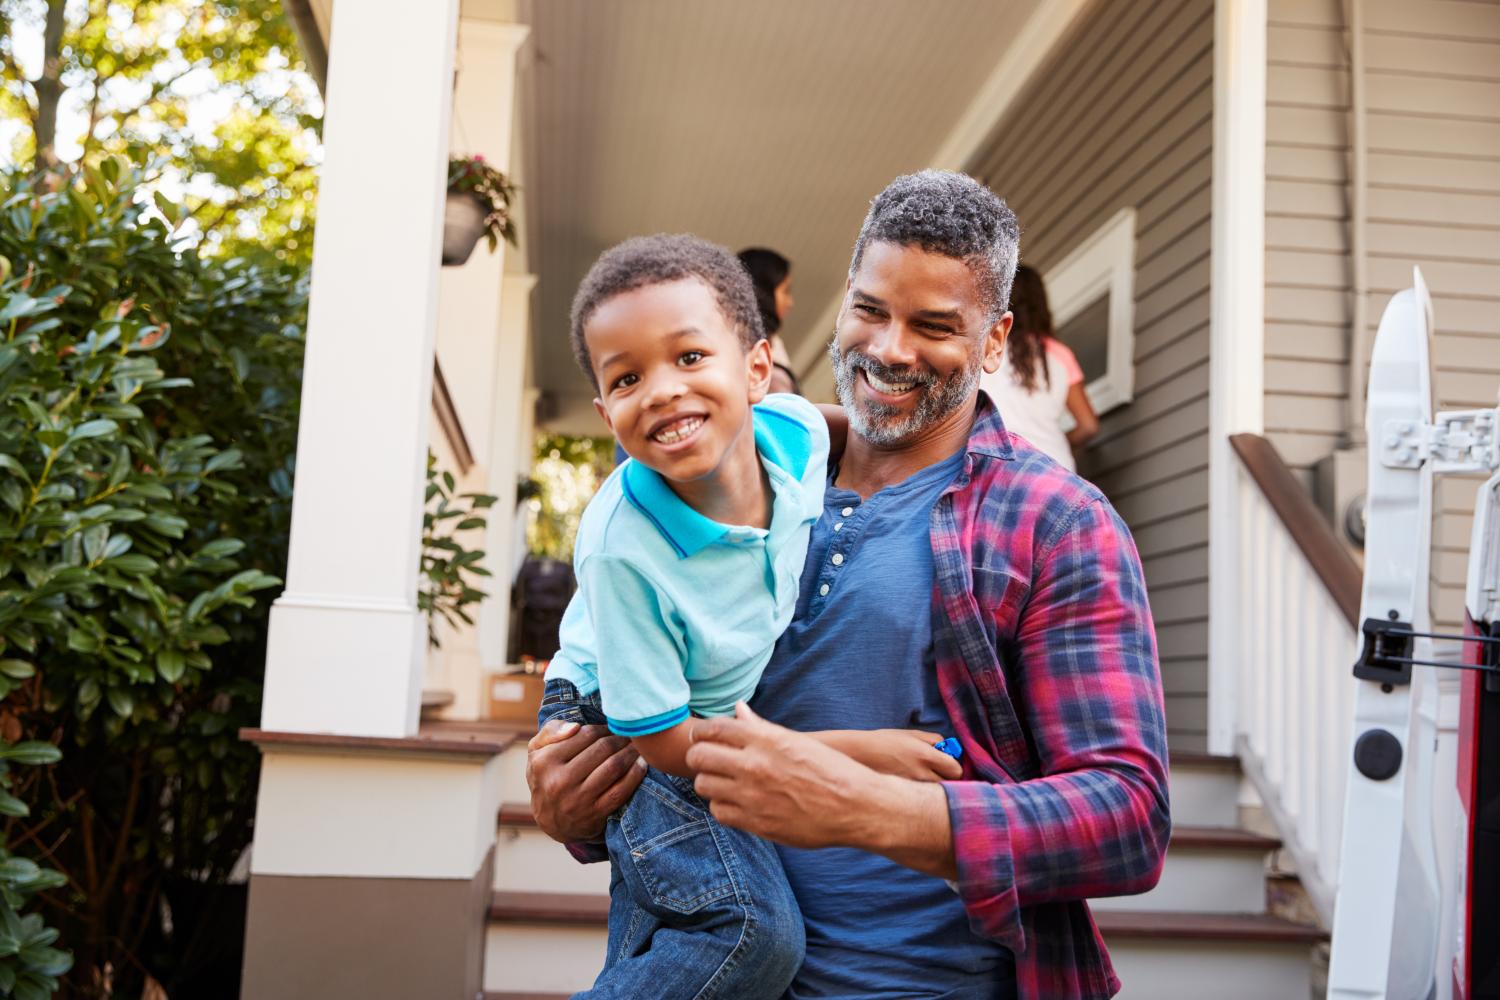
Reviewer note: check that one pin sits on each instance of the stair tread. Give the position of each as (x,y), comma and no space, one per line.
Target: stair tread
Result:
(1194,758)
(1224,837)
(522,995)
(1195,926)
(519,814)
(549,907)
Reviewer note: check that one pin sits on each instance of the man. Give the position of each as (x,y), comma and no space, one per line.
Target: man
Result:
(1034,645)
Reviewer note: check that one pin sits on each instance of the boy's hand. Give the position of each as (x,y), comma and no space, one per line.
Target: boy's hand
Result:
(904,753)
(578,776)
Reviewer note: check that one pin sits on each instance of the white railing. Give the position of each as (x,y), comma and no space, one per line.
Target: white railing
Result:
(1295,701)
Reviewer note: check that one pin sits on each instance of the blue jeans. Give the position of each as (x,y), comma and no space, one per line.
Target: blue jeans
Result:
(696,909)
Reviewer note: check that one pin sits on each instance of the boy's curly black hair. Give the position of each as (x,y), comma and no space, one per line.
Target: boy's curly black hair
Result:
(950,214)
(655,260)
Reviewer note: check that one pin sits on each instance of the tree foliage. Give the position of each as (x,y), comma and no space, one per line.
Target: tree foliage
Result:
(215,89)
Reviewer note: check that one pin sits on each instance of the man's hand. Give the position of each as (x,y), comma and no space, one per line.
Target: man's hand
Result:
(578,776)
(905,753)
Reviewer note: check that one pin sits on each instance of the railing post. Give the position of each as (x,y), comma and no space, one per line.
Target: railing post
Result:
(1236,336)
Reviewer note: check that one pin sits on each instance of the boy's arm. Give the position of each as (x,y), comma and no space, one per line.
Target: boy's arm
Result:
(905,753)
(838,429)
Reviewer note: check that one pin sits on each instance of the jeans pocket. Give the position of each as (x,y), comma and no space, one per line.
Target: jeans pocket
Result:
(668,841)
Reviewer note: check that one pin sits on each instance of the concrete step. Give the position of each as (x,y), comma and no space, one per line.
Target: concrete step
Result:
(544,942)
(527,860)
(554,942)
(1205,790)
(1208,870)
(1186,956)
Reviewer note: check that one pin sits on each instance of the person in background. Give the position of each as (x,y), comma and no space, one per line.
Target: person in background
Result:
(771,274)
(1041,379)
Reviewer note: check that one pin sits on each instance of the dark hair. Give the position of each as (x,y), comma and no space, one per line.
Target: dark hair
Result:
(656,260)
(1028,301)
(768,269)
(950,214)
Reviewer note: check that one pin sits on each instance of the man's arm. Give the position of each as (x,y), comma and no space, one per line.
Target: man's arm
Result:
(578,776)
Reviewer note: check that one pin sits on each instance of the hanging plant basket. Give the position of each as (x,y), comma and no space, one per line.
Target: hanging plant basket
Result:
(463,224)
(479,204)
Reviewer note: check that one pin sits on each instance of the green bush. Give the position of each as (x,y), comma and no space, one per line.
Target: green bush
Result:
(148,419)
(147,422)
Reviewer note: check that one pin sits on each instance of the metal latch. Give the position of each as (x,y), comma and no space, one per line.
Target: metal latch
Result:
(1457,441)
(1386,656)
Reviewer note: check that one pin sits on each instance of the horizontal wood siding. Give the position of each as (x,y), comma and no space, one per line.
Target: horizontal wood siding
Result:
(1123,116)
(1432,81)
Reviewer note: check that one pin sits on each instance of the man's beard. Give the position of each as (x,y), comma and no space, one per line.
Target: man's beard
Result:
(884,425)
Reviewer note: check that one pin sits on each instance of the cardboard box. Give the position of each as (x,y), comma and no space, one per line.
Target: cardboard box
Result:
(515,696)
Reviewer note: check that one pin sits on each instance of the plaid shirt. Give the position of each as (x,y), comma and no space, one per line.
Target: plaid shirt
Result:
(1046,660)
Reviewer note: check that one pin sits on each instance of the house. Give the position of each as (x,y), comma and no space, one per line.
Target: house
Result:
(1221,193)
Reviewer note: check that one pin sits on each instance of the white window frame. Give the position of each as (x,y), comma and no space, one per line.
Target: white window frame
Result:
(1104,262)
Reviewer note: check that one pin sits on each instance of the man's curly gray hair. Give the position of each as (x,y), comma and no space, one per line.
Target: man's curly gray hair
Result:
(954,215)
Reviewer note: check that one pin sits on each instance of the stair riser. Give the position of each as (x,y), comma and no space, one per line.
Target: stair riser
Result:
(1192,970)
(1202,880)
(1201,797)
(513,773)
(527,860)
(543,958)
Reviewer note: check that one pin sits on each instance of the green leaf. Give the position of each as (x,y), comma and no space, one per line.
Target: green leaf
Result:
(18,869)
(219,548)
(171,664)
(81,642)
(134,563)
(93,429)
(230,458)
(121,701)
(27,988)
(18,669)
(35,752)
(12,806)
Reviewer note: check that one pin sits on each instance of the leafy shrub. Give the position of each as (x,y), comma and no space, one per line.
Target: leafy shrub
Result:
(147,419)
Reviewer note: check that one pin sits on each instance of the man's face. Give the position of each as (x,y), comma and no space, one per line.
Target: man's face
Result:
(912,340)
(675,383)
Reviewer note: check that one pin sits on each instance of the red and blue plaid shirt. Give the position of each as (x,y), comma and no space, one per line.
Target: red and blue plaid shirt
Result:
(1046,659)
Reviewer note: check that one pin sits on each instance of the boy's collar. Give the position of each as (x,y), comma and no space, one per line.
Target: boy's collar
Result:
(686,530)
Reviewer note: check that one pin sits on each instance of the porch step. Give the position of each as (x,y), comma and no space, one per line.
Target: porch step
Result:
(544,943)
(1208,870)
(1186,956)
(529,861)
(1205,789)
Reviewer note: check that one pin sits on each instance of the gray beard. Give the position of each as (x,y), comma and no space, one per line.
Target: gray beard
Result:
(886,426)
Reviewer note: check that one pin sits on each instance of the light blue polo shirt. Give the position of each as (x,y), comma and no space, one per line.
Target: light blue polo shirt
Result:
(677,614)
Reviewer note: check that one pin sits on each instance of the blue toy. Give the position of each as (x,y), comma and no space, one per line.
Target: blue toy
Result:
(951,747)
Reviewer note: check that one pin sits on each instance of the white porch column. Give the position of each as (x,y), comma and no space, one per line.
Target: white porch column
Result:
(345,644)
(1236,322)
(510,444)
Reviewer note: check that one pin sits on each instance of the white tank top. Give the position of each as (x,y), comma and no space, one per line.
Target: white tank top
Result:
(1037,415)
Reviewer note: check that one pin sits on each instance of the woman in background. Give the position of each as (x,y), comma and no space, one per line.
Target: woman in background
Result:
(1040,379)
(771,273)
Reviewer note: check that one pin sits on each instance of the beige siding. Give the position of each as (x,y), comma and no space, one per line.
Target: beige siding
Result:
(1433,93)
(1123,116)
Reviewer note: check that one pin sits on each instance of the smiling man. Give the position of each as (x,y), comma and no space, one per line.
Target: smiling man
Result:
(959,581)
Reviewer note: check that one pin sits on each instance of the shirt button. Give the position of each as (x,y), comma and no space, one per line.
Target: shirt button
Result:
(838,559)
(838,526)
(823,590)
(847,511)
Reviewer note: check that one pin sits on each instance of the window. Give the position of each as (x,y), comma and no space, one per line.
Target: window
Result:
(1092,293)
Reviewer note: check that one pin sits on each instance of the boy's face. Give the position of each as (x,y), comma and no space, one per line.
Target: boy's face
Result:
(675,386)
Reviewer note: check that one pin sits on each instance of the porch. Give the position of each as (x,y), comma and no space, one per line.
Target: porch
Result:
(769,124)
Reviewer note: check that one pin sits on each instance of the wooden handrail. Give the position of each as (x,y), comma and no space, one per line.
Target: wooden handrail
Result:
(448,420)
(1301,517)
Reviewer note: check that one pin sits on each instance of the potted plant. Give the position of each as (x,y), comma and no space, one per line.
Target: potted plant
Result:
(479,199)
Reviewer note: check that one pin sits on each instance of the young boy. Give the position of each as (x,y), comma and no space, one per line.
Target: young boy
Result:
(688,561)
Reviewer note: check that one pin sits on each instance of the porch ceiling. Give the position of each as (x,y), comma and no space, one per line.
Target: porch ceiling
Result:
(770,123)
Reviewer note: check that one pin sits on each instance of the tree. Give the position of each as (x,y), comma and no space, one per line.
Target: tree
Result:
(215,90)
